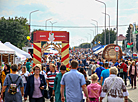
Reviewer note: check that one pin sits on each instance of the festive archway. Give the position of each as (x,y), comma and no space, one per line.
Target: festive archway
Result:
(62,36)
(46,46)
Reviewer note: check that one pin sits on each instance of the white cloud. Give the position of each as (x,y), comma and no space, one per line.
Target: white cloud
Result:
(75,12)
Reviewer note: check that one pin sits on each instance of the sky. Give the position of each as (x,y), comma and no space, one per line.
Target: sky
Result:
(73,13)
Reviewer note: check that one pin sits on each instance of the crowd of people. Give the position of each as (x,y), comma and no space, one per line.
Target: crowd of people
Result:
(53,81)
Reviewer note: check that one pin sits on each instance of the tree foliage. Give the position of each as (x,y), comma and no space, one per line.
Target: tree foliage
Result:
(42,42)
(14,30)
(85,45)
(100,37)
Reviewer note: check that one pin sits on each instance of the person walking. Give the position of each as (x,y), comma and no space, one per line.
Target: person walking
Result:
(36,84)
(90,69)
(105,73)
(50,79)
(128,76)
(6,71)
(74,82)
(123,71)
(13,86)
(115,88)
(56,89)
(133,74)
(28,66)
(99,70)
(94,89)
(24,74)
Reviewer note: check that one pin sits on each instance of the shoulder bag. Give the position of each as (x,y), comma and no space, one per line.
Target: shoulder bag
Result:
(105,98)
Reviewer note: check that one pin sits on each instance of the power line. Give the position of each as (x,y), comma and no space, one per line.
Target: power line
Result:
(77,26)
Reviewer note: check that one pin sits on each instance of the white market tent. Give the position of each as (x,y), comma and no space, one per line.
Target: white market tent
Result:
(17,50)
(6,54)
(6,50)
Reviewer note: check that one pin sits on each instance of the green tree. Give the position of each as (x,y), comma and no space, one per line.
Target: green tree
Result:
(14,30)
(85,45)
(100,37)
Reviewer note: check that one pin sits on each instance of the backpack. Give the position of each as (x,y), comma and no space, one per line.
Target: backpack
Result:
(13,87)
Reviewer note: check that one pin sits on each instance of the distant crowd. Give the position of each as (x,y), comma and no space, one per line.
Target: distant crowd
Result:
(87,79)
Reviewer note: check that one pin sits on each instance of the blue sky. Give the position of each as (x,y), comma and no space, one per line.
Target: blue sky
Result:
(72,13)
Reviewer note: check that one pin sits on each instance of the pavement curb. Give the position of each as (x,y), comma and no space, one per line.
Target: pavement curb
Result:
(130,100)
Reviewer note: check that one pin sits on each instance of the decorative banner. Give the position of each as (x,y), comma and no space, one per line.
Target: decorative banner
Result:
(65,54)
(37,53)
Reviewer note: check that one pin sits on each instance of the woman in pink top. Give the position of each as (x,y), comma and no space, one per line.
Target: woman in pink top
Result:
(133,74)
(94,89)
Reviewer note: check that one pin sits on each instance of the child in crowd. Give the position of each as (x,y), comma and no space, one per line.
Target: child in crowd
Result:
(94,89)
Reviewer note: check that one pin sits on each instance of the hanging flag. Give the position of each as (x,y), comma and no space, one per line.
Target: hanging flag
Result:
(129,45)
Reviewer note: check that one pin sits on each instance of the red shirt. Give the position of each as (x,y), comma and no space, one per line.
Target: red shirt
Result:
(124,66)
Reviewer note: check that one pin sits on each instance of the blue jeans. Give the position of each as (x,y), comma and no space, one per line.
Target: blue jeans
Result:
(24,86)
(129,79)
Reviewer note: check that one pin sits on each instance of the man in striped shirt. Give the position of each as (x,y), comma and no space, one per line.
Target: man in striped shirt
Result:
(50,78)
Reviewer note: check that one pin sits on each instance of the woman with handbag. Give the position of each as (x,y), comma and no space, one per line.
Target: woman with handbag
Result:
(36,84)
(133,74)
(114,89)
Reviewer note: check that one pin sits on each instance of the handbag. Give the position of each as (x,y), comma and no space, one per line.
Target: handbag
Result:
(105,98)
(46,94)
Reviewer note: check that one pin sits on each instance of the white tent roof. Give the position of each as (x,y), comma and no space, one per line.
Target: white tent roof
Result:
(17,50)
(21,57)
(6,50)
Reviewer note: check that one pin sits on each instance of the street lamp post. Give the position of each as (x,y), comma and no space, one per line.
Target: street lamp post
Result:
(30,17)
(52,24)
(97,24)
(95,28)
(109,25)
(117,31)
(105,21)
(95,31)
(46,23)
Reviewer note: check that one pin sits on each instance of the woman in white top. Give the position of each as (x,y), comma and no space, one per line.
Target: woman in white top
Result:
(24,74)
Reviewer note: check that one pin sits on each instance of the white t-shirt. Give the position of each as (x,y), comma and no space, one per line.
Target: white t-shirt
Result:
(23,76)
(43,73)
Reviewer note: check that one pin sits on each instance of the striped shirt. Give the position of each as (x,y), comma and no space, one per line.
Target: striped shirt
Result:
(50,77)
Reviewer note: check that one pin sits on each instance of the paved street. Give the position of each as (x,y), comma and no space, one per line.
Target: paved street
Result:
(133,94)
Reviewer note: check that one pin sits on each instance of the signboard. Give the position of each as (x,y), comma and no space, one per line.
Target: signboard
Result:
(51,36)
(109,52)
(99,42)
(117,48)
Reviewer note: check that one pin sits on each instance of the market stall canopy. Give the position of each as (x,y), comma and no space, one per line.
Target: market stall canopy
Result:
(17,50)
(98,47)
(99,51)
(20,57)
(5,50)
